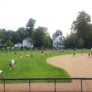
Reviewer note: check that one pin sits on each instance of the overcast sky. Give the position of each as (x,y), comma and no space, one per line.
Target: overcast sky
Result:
(53,14)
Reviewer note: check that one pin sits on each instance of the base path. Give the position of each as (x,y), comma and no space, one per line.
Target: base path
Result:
(79,66)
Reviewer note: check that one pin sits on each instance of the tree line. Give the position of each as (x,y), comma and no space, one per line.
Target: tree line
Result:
(40,36)
(81,32)
(80,37)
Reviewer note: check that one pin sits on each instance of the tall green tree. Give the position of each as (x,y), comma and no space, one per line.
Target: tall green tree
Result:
(9,43)
(47,42)
(81,26)
(22,33)
(82,19)
(30,26)
(88,37)
(41,38)
(72,41)
(3,36)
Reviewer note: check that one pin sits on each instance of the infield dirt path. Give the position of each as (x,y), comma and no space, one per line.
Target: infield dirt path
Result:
(78,66)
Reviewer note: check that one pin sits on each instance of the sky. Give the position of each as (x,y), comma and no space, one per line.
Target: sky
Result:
(52,14)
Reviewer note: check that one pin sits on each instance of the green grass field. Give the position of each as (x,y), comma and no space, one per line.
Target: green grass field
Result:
(31,67)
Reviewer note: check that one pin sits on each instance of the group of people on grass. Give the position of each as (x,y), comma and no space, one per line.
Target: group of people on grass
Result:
(1,72)
(11,65)
(13,62)
(43,51)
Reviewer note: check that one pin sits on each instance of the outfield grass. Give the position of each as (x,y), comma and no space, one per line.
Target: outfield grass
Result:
(31,67)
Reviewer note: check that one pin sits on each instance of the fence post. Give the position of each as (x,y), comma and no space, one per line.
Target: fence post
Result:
(4,85)
(81,84)
(55,85)
(29,86)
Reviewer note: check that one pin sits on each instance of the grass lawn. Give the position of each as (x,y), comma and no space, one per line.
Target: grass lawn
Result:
(31,67)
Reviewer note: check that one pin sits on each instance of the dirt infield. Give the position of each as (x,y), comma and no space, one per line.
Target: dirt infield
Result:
(78,66)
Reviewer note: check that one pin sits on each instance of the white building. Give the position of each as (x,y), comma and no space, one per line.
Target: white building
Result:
(58,41)
(18,45)
(27,42)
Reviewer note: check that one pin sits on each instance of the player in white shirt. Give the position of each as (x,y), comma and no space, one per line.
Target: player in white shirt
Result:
(13,62)
(1,72)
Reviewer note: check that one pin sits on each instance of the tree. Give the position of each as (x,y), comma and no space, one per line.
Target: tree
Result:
(57,33)
(3,35)
(41,38)
(10,34)
(30,26)
(88,37)
(72,41)
(80,43)
(9,43)
(47,42)
(82,19)
(81,26)
(22,33)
